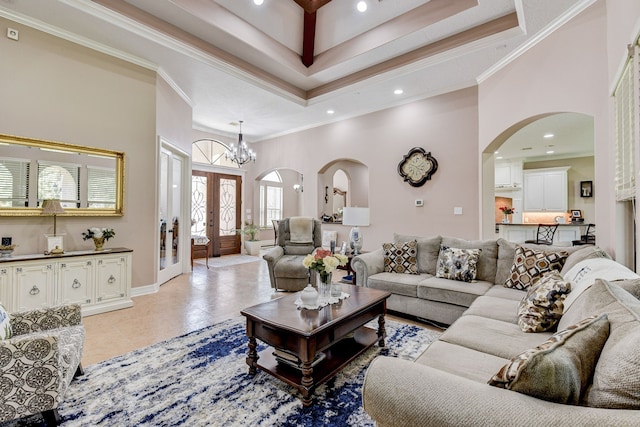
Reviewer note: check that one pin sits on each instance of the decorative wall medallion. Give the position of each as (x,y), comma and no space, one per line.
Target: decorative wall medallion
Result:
(417,167)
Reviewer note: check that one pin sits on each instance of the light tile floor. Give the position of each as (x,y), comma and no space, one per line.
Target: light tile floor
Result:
(184,304)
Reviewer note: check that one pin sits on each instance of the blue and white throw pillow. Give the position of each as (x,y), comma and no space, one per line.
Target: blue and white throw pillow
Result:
(5,324)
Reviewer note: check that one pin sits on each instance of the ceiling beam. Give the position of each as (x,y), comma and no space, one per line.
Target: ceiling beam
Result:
(308,38)
(309,28)
(310,6)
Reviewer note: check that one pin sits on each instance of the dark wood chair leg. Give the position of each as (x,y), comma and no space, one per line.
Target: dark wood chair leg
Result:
(79,371)
(51,418)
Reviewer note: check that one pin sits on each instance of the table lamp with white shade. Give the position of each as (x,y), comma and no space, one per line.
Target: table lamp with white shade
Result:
(356,217)
(52,207)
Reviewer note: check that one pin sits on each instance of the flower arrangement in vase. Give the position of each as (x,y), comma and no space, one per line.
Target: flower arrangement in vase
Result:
(99,236)
(507,210)
(325,262)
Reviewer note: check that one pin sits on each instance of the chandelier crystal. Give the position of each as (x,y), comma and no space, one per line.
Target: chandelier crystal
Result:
(240,154)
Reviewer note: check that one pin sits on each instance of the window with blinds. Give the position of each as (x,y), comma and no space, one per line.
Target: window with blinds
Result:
(59,181)
(14,183)
(101,191)
(627,120)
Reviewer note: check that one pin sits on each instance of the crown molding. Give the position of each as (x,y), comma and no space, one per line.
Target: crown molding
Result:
(162,74)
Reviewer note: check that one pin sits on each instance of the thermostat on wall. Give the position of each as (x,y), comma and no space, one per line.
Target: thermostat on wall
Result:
(419,202)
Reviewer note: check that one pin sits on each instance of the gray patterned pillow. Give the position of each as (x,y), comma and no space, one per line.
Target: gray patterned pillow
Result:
(401,257)
(542,307)
(560,369)
(530,264)
(458,264)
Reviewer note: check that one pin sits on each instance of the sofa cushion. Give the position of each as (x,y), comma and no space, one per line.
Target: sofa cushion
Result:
(401,257)
(290,266)
(491,307)
(507,251)
(632,286)
(587,252)
(561,368)
(400,284)
(499,291)
(583,274)
(616,381)
(541,309)
(501,339)
(488,257)
(458,264)
(529,265)
(461,361)
(451,291)
(428,250)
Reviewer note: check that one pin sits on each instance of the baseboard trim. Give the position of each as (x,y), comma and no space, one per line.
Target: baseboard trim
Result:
(144,290)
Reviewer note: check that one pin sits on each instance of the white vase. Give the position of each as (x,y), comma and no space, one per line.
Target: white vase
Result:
(336,290)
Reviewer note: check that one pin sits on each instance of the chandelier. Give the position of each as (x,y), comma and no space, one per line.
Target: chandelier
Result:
(240,154)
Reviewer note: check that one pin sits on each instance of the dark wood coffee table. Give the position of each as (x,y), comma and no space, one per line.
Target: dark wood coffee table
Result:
(336,330)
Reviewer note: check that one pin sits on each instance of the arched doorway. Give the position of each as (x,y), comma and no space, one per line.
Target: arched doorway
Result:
(539,143)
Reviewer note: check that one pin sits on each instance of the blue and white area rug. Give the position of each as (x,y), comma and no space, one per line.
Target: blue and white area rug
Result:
(201,379)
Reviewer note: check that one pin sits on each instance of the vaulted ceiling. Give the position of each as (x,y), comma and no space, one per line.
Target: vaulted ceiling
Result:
(234,60)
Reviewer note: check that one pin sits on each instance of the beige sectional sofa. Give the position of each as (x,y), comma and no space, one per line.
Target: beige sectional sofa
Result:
(429,297)
(448,384)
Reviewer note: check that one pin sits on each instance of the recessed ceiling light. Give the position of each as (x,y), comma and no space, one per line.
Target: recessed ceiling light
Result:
(398,91)
(362,6)
(496,152)
(550,152)
(330,111)
(258,2)
(499,158)
(548,135)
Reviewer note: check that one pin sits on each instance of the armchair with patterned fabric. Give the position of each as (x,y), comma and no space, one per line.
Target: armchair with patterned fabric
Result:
(297,237)
(38,359)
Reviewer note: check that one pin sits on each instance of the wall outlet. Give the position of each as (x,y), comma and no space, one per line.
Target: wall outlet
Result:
(457,211)
(12,34)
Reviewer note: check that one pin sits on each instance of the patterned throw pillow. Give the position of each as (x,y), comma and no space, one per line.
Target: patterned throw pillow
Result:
(458,264)
(529,265)
(5,325)
(401,257)
(541,309)
(560,369)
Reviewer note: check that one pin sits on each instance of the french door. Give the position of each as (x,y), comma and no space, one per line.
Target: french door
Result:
(170,211)
(216,211)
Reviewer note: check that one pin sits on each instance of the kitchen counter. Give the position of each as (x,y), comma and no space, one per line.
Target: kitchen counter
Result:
(518,233)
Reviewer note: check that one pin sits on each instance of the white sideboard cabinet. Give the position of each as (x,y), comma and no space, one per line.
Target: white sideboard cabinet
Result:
(99,281)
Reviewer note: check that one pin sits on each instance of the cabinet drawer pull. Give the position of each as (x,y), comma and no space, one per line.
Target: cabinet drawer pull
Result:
(76,284)
(111,280)
(34,290)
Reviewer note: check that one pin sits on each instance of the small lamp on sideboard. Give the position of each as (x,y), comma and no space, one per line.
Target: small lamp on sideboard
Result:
(356,217)
(52,207)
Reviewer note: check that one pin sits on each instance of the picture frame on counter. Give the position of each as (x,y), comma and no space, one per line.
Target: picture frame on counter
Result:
(576,213)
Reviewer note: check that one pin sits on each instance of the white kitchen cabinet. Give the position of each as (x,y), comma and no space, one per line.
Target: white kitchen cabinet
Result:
(546,190)
(503,175)
(98,281)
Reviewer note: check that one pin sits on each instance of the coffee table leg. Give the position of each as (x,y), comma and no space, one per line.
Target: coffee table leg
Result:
(252,359)
(381,331)
(307,383)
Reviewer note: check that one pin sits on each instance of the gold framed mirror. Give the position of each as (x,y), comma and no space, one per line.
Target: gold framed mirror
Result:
(88,181)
